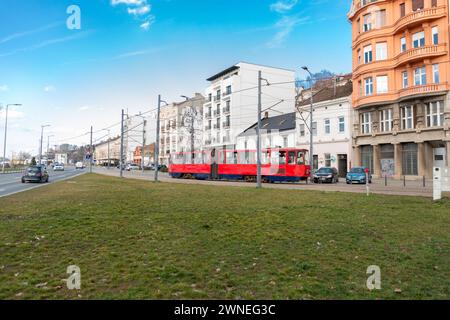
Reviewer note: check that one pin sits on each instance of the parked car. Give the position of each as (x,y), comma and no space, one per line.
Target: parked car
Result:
(132,166)
(79,165)
(58,167)
(35,174)
(357,175)
(326,174)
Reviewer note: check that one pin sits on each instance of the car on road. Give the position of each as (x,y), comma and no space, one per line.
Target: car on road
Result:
(358,175)
(132,166)
(79,165)
(58,167)
(326,174)
(35,174)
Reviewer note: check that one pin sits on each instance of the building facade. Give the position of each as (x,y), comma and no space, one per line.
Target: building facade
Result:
(401,86)
(232,101)
(181,126)
(332,124)
(101,152)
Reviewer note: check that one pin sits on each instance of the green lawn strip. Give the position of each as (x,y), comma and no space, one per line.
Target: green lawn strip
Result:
(137,239)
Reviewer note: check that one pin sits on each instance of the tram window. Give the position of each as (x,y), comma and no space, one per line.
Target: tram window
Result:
(282,157)
(231,157)
(221,157)
(264,157)
(291,157)
(300,158)
(274,157)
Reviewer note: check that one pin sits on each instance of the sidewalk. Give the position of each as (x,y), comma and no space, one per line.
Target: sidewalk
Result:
(394,187)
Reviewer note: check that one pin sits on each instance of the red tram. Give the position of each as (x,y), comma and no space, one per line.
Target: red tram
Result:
(277,165)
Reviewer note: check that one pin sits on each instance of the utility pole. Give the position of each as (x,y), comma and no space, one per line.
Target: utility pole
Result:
(6,132)
(157,139)
(48,145)
(91,153)
(143,145)
(42,138)
(258,139)
(121,144)
(311,129)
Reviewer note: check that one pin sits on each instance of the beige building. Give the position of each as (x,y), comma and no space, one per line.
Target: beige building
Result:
(101,152)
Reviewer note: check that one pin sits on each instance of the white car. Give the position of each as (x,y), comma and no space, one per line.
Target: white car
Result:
(58,167)
(132,166)
(79,165)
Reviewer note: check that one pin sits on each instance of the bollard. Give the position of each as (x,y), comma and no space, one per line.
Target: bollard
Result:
(385,180)
(404,181)
(424,183)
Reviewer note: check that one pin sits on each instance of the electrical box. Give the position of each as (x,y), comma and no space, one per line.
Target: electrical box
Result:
(437,183)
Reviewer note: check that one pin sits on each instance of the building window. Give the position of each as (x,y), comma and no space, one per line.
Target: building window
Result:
(433,3)
(228,90)
(381,51)
(435,114)
(341,124)
(380,18)
(327,159)
(314,129)
(367,157)
(386,122)
(367,22)
(382,84)
(407,117)
(402,10)
(417,5)
(366,123)
(436,73)
(418,39)
(368,54)
(327,126)
(368,84)
(435,35)
(403,44)
(302,130)
(420,76)
(409,157)
(405,79)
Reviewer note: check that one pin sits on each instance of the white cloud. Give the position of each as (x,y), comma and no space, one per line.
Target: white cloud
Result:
(140,9)
(49,88)
(4,88)
(29,32)
(84,108)
(13,114)
(283,6)
(285,26)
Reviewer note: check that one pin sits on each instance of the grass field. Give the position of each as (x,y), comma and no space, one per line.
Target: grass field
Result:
(136,239)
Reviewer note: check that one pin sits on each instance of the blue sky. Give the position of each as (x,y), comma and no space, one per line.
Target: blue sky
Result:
(128,51)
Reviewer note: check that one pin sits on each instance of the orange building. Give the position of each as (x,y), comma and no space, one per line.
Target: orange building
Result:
(401,75)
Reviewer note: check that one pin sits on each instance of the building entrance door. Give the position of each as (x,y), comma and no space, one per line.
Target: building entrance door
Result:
(342,165)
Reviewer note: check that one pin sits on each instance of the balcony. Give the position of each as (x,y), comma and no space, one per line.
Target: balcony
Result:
(420,54)
(226,125)
(226,110)
(226,94)
(421,90)
(217,113)
(418,17)
(217,98)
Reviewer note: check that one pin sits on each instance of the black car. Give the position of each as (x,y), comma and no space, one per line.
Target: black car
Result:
(326,175)
(35,174)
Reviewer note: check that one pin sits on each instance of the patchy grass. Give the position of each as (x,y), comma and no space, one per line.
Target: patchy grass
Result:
(136,239)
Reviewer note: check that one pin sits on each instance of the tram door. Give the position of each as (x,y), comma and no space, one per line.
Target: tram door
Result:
(214,165)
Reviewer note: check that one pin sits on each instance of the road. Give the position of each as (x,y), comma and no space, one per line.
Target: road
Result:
(393,187)
(11,183)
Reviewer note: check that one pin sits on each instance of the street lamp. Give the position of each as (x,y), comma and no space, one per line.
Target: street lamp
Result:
(42,138)
(6,131)
(109,138)
(311,151)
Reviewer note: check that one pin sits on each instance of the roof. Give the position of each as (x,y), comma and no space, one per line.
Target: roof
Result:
(222,73)
(282,122)
(328,93)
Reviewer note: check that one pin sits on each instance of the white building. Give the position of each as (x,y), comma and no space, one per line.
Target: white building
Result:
(332,126)
(276,132)
(232,101)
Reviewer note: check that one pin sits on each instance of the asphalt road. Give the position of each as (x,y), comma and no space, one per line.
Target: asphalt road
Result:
(11,183)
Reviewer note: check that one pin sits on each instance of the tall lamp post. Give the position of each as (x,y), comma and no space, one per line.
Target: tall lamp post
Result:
(42,138)
(311,132)
(6,132)
(158,117)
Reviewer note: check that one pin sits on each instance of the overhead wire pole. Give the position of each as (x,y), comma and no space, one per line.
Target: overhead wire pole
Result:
(42,138)
(143,145)
(258,139)
(121,144)
(6,131)
(91,152)
(311,129)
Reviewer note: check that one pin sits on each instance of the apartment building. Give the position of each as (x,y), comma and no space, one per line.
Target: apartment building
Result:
(109,147)
(181,126)
(232,101)
(400,86)
(332,123)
